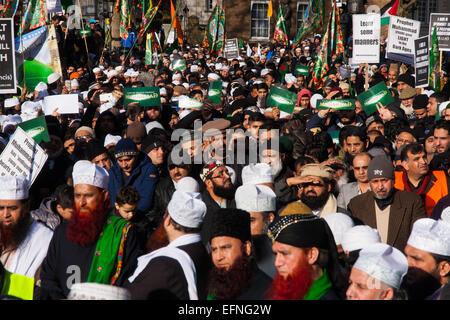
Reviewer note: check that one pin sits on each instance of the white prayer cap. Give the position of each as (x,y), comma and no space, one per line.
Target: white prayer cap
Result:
(114,73)
(53,78)
(85,172)
(257,173)
(176,82)
(431,235)
(41,86)
(242,64)
(213,76)
(176,76)
(187,184)
(264,72)
(74,83)
(101,67)
(14,119)
(339,223)
(428,92)
(186,85)
(218,66)
(111,139)
(184,113)
(119,68)
(153,124)
(383,262)
(96,70)
(289,78)
(253,198)
(133,74)
(359,237)
(194,68)
(225,68)
(232,174)
(445,216)
(162,91)
(187,208)
(97,291)
(443,106)
(282,50)
(11,102)
(13,188)
(314,99)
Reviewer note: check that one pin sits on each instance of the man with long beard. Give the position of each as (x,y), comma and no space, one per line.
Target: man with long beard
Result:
(23,241)
(314,188)
(306,259)
(235,275)
(219,191)
(92,246)
(428,253)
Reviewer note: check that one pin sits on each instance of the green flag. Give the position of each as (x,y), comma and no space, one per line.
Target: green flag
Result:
(86,32)
(301,69)
(215,92)
(283,69)
(312,20)
(280,34)
(377,94)
(146,96)
(36,129)
(435,80)
(337,104)
(35,15)
(284,100)
(148,50)
(178,65)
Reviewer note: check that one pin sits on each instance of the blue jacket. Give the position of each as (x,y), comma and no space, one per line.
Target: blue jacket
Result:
(144,178)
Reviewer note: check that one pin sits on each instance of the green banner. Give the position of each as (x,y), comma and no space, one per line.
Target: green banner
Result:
(36,129)
(337,104)
(178,65)
(86,32)
(146,96)
(282,99)
(301,69)
(215,92)
(377,94)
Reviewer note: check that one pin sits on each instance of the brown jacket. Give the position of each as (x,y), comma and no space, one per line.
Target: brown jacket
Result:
(406,208)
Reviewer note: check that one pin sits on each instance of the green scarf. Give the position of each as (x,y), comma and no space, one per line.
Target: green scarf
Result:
(319,287)
(107,261)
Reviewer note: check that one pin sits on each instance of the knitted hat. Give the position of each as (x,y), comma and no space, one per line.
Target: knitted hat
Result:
(408,79)
(380,167)
(420,101)
(233,223)
(125,147)
(151,142)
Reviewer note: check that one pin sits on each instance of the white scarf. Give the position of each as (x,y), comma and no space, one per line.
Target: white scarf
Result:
(32,251)
(182,257)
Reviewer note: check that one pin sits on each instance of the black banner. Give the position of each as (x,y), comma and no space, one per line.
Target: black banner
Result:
(7,57)
(421,61)
(442,23)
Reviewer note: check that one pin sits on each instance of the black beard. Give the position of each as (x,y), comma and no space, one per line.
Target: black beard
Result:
(315,202)
(419,284)
(11,238)
(227,193)
(228,284)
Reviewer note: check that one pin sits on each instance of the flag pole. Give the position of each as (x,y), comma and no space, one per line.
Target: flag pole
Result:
(441,82)
(84,37)
(23,56)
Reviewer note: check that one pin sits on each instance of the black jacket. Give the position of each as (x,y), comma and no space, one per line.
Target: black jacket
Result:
(258,285)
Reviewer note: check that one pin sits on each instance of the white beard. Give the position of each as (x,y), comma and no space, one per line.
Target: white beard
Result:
(276,169)
(408,110)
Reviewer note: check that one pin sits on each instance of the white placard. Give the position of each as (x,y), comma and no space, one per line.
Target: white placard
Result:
(66,104)
(401,36)
(54,6)
(366,38)
(22,157)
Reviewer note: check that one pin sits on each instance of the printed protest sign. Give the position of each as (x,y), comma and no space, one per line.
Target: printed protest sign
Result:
(8,76)
(65,103)
(36,129)
(377,94)
(282,99)
(22,157)
(146,96)
(337,104)
(422,62)
(401,36)
(366,38)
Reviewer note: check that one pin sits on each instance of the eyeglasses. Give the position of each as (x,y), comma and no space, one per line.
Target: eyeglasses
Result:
(79,138)
(312,184)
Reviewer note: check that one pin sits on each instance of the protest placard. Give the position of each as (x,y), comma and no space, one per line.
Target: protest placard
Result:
(282,99)
(8,77)
(215,92)
(366,38)
(231,49)
(36,129)
(442,23)
(401,36)
(65,103)
(377,94)
(421,62)
(146,96)
(22,157)
(336,104)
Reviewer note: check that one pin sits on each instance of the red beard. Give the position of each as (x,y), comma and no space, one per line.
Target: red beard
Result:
(158,239)
(84,229)
(295,286)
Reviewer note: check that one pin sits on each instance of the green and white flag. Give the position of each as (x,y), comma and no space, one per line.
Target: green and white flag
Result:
(36,129)
(184,102)
(148,50)
(178,65)
(377,94)
(215,92)
(86,32)
(434,73)
(301,69)
(337,104)
(146,96)
(282,99)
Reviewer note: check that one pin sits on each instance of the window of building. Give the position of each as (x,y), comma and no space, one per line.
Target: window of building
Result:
(209,5)
(302,6)
(260,23)
(424,8)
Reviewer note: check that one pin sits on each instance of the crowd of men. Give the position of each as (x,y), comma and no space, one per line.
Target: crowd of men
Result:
(313,215)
